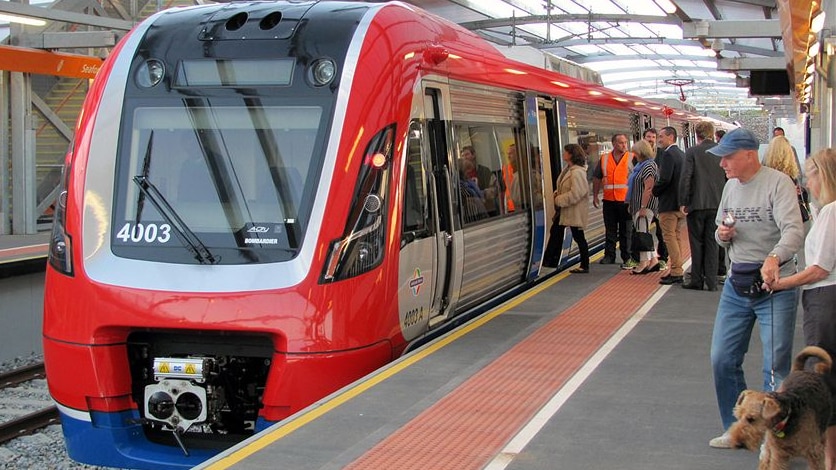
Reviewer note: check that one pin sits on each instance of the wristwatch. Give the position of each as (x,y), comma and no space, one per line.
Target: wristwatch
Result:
(774,255)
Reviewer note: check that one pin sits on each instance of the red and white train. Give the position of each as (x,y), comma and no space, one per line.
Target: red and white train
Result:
(263,202)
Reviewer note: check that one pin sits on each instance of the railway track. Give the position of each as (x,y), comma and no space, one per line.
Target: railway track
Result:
(22,414)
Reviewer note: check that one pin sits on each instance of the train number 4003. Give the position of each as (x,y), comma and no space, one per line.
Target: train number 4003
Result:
(147,233)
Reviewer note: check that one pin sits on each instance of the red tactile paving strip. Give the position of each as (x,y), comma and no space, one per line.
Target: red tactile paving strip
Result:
(468,427)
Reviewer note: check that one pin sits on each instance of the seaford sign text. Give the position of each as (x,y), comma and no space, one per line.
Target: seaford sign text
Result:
(91,69)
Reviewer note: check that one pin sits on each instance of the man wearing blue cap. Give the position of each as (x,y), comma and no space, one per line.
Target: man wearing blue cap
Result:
(759,223)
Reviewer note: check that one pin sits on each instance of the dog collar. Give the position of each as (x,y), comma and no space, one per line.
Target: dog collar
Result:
(778,429)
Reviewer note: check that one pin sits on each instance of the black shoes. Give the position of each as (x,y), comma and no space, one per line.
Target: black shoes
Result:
(579,271)
(606,260)
(668,280)
(691,287)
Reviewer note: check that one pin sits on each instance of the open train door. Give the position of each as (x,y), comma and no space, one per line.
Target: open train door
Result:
(426,256)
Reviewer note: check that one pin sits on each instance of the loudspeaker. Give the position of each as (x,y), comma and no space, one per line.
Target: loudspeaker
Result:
(769,83)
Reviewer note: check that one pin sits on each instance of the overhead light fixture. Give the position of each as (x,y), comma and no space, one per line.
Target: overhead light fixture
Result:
(22,20)
(817,23)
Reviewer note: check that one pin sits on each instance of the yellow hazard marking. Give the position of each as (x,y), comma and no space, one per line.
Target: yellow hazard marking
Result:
(190,369)
(164,369)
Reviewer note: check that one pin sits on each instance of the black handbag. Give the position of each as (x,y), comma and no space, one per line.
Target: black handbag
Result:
(804,205)
(747,280)
(643,241)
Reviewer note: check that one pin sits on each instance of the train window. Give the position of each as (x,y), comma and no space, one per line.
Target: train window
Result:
(415,190)
(480,179)
(231,179)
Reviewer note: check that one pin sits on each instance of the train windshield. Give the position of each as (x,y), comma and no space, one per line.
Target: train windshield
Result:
(216,184)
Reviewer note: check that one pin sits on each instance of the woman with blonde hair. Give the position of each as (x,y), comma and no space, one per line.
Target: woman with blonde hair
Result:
(643,204)
(818,279)
(779,155)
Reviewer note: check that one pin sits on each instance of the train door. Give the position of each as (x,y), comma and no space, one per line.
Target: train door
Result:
(426,260)
(543,137)
(548,124)
(440,177)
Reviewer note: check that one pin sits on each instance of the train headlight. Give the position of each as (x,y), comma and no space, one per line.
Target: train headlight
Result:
(322,72)
(361,247)
(150,73)
(60,244)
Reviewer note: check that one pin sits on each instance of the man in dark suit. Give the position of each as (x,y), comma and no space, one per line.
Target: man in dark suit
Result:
(700,190)
(667,190)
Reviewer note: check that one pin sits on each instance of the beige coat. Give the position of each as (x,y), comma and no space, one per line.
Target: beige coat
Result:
(572,196)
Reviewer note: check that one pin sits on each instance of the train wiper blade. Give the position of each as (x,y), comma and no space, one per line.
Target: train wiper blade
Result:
(193,243)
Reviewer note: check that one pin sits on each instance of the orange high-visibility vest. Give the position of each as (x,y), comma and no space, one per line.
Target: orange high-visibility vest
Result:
(508,176)
(615,177)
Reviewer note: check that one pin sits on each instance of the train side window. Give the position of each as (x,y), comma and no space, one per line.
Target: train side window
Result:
(510,142)
(415,209)
(479,165)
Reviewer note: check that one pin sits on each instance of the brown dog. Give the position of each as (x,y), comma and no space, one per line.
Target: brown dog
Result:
(793,419)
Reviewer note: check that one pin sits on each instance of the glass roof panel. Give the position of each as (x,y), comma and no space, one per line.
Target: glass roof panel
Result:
(598,6)
(619,49)
(640,7)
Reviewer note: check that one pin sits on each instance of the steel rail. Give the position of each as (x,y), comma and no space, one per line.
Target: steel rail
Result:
(22,374)
(28,424)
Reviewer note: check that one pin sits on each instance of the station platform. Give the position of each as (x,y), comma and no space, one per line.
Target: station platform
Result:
(604,370)
(23,254)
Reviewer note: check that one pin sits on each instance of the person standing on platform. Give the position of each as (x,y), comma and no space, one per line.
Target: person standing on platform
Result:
(611,175)
(700,189)
(760,225)
(781,156)
(671,218)
(650,136)
(571,200)
(818,279)
(643,205)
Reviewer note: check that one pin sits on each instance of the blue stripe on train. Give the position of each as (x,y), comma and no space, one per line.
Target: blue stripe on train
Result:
(112,440)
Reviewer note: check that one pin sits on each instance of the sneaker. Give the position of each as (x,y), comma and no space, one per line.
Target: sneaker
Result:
(721,442)
(663,265)
(630,264)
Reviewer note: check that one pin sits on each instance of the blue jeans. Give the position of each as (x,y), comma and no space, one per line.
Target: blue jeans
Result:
(736,316)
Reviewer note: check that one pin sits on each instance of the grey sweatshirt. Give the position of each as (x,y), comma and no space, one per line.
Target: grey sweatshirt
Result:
(767,218)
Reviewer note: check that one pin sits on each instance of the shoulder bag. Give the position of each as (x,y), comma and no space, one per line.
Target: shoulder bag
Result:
(643,241)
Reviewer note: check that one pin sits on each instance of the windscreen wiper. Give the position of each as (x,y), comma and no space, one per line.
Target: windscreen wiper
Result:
(193,243)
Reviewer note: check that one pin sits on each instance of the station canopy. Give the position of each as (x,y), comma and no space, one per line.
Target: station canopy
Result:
(657,49)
